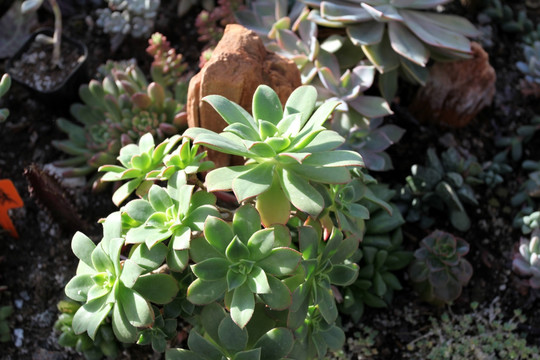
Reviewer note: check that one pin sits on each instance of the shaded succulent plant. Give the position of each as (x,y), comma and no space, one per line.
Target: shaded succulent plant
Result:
(163,330)
(5,333)
(379,256)
(104,284)
(287,149)
(527,261)
(348,88)
(503,14)
(266,17)
(210,23)
(398,34)
(371,140)
(441,185)
(103,345)
(494,170)
(5,84)
(524,133)
(123,17)
(530,189)
(223,338)
(243,264)
(531,69)
(439,270)
(116,112)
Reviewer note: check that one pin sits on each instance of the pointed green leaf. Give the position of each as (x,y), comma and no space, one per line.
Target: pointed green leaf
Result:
(254,181)
(242,305)
(157,288)
(266,105)
(204,292)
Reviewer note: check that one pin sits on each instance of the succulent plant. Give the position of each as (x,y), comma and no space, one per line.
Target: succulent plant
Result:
(210,23)
(441,185)
(122,17)
(503,14)
(439,270)
(224,339)
(286,150)
(5,333)
(527,261)
(5,83)
(524,134)
(116,112)
(266,17)
(531,69)
(104,344)
(493,171)
(379,256)
(398,34)
(105,285)
(530,189)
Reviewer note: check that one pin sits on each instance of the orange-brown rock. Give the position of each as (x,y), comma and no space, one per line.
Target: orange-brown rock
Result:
(456,91)
(238,65)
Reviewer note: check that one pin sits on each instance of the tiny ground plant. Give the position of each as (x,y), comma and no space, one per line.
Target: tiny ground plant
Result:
(481,334)
(257,282)
(5,84)
(527,261)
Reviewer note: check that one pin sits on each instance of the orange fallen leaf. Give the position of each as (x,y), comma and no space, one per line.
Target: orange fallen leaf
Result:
(9,199)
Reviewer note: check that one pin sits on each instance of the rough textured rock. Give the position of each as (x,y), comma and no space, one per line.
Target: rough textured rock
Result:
(456,91)
(238,65)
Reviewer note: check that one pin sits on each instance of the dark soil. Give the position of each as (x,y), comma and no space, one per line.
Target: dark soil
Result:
(36,266)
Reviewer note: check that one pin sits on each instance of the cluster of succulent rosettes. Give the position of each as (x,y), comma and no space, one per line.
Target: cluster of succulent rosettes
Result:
(439,270)
(527,260)
(210,23)
(514,144)
(288,152)
(398,34)
(5,84)
(145,163)
(168,66)
(103,345)
(503,14)
(441,185)
(379,256)
(123,17)
(115,112)
(531,69)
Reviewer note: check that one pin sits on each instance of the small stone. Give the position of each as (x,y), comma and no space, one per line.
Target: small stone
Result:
(239,64)
(456,91)
(19,337)
(18,303)
(502,287)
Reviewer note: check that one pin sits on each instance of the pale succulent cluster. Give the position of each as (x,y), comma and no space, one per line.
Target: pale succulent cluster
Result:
(135,17)
(527,260)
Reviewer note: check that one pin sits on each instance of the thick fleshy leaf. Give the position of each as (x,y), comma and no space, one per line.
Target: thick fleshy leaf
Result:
(221,179)
(326,302)
(181,238)
(266,105)
(237,250)
(101,261)
(82,247)
(159,198)
(344,13)
(273,206)
(122,329)
(371,106)
(78,287)
(260,244)
(148,235)
(327,175)
(368,33)
(137,310)
(434,35)
(343,275)
(139,210)
(334,159)
(301,101)
(130,273)
(257,281)
(231,336)
(382,55)
(246,222)
(242,305)
(279,297)
(204,292)
(275,344)
(222,143)
(181,354)
(281,261)
(406,44)
(177,260)
(211,269)
(149,259)
(125,190)
(243,131)
(230,111)
(201,346)
(326,140)
(157,288)
(301,194)
(254,181)
(90,316)
(218,233)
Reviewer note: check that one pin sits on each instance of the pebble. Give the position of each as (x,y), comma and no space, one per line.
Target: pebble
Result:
(19,337)
(18,303)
